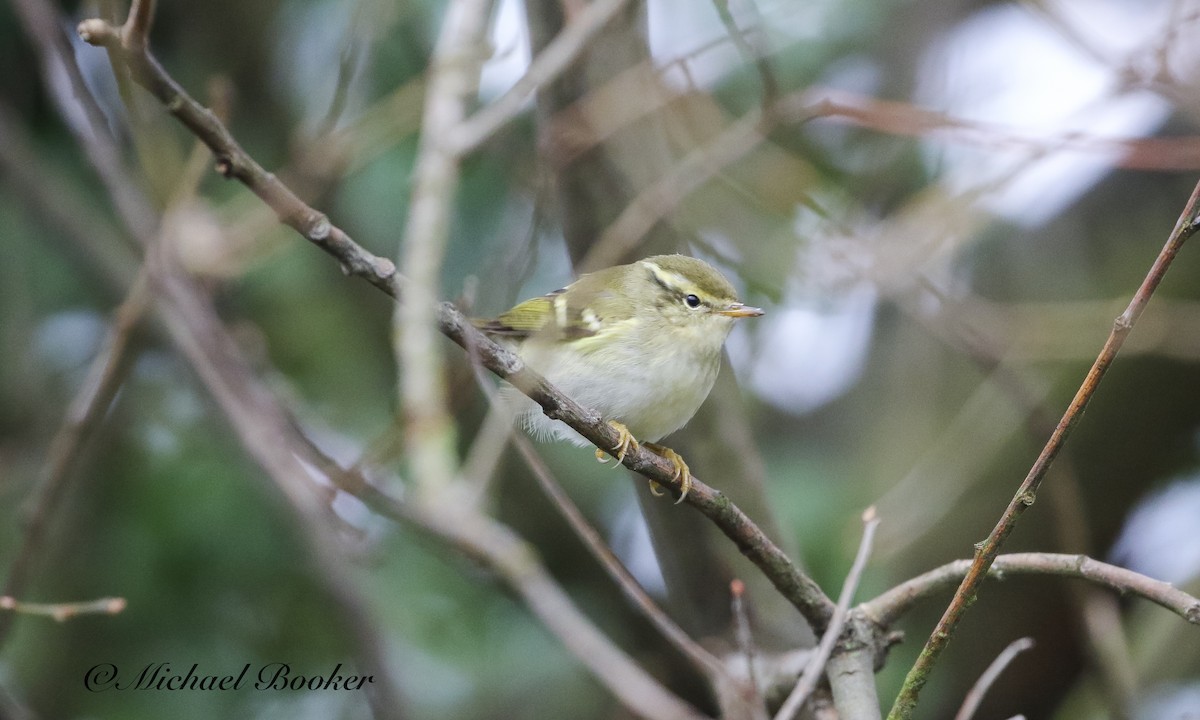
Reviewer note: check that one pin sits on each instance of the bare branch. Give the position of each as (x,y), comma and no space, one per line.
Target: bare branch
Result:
(234,162)
(1097,609)
(987,551)
(979,689)
(889,606)
(269,436)
(266,433)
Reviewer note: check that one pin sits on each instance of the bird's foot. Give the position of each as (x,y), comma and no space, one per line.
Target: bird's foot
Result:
(682,473)
(625,443)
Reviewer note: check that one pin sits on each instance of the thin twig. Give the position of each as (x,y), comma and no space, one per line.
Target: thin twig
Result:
(550,63)
(233,161)
(903,119)
(987,551)
(766,76)
(979,689)
(83,418)
(1098,610)
(61,612)
(135,33)
(889,606)
(816,665)
(744,635)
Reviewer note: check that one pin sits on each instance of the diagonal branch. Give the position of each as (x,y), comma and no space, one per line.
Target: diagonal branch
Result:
(234,162)
(986,552)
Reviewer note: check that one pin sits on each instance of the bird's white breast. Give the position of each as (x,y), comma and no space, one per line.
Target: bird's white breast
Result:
(651,386)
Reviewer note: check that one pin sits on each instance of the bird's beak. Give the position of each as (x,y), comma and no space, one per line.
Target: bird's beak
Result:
(738,310)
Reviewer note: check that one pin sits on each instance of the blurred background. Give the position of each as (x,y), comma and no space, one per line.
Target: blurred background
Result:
(942,206)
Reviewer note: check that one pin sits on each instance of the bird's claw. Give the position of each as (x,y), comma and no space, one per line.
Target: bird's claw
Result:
(625,443)
(682,473)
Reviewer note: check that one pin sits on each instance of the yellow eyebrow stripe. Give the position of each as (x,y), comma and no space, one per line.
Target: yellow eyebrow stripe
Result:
(671,281)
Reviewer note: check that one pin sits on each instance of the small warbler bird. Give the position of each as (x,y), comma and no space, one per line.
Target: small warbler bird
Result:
(638,343)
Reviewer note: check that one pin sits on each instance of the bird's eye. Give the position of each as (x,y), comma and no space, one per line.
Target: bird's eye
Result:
(692,301)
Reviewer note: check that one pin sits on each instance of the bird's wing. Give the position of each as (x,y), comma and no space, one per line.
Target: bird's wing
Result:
(524,319)
(585,309)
